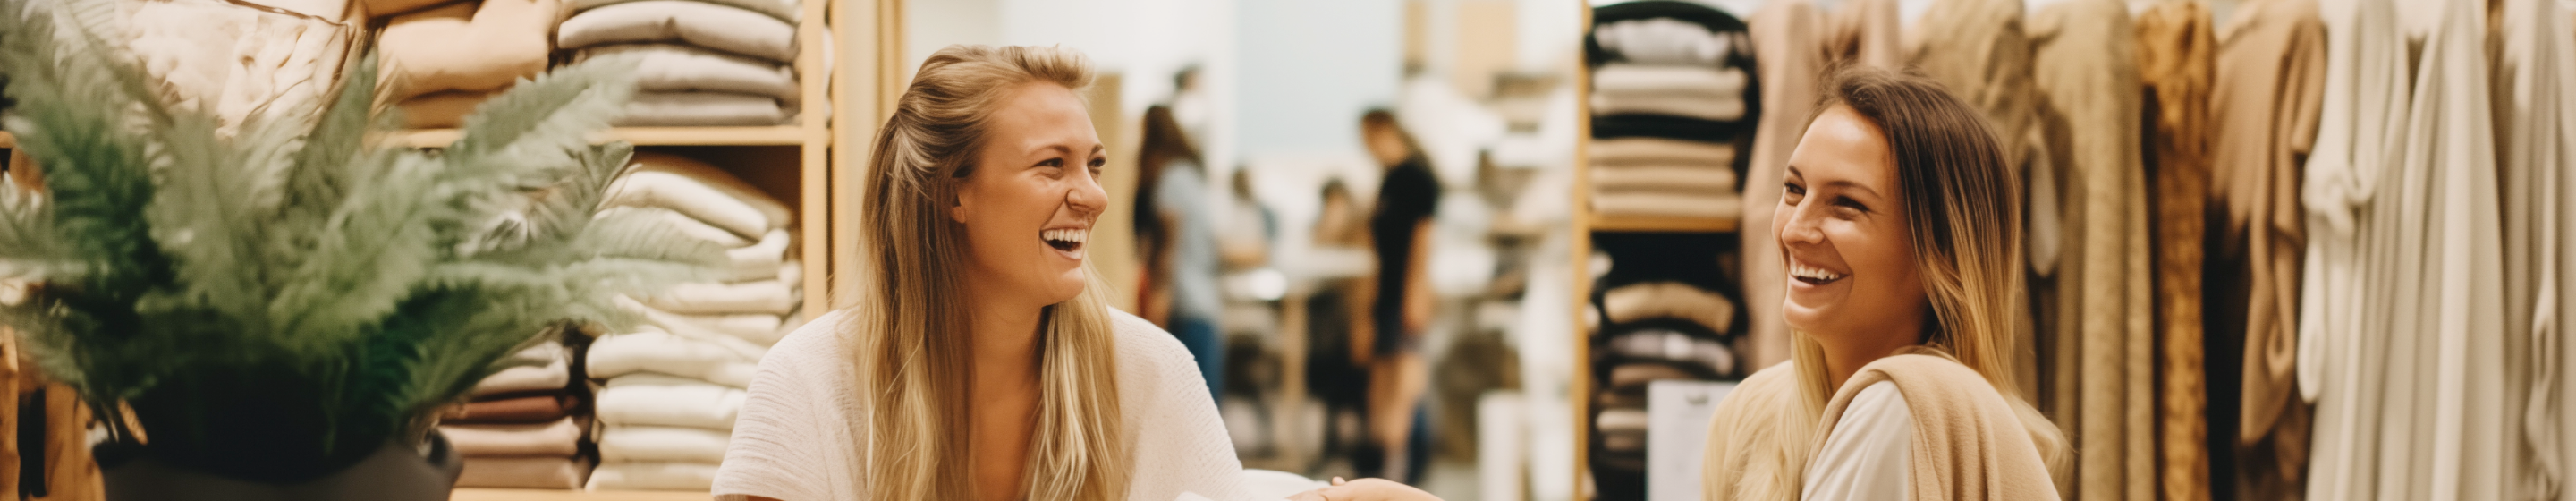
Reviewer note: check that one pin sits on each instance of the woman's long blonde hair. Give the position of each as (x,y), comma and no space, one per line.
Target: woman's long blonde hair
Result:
(1963,209)
(910,304)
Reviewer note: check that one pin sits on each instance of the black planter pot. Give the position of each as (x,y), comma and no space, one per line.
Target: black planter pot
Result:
(395,472)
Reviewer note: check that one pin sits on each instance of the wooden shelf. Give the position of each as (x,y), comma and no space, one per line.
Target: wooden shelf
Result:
(571,495)
(775,135)
(1599,222)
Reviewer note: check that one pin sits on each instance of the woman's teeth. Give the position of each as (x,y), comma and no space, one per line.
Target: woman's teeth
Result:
(1067,239)
(1812,274)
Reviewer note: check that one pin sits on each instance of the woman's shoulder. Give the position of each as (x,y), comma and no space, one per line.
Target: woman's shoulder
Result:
(1927,375)
(817,352)
(1140,341)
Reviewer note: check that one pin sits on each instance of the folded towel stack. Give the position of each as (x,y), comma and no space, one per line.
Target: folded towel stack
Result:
(700,62)
(1674,100)
(440,62)
(1666,309)
(670,388)
(525,427)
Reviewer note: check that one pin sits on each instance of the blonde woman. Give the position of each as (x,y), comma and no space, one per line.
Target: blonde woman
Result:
(1900,229)
(977,360)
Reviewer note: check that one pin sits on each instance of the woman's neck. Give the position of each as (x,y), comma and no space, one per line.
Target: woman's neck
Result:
(1846,354)
(1005,340)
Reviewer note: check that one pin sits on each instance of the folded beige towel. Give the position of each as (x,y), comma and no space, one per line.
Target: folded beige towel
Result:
(1652,204)
(760,259)
(1719,108)
(653,476)
(1650,300)
(666,68)
(687,226)
(524,472)
(441,110)
(660,400)
(554,375)
(1630,78)
(561,438)
(629,444)
(704,109)
(771,297)
(719,27)
(784,10)
(1659,151)
(700,191)
(465,48)
(650,350)
(759,329)
(1683,178)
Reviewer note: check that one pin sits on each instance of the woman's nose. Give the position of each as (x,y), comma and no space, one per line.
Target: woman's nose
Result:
(1087,195)
(1802,228)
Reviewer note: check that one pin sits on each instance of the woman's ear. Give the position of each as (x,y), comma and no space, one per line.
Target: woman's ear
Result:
(957,210)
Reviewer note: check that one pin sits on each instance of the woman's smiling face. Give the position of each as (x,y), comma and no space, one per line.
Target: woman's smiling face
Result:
(1032,195)
(1843,235)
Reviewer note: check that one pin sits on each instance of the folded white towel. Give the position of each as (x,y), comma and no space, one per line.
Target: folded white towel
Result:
(629,444)
(687,227)
(730,29)
(1626,78)
(1666,40)
(554,375)
(660,400)
(757,328)
(699,191)
(650,350)
(762,296)
(760,260)
(784,10)
(653,476)
(683,68)
(703,109)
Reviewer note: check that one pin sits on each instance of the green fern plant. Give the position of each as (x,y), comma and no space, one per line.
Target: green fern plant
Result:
(278,302)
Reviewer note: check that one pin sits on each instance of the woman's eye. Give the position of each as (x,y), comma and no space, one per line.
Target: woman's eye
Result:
(1851,206)
(1792,192)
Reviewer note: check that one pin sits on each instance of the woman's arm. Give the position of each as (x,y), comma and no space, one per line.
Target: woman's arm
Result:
(1419,300)
(1366,489)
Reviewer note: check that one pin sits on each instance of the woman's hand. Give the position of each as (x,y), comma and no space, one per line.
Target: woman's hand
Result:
(1366,489)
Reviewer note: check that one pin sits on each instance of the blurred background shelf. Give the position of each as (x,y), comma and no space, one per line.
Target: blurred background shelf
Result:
(777,135)
(564,495)
(1598,222)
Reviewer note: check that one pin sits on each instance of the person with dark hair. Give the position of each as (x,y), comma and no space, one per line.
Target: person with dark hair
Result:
(1180,244)
(1900,232)
(1400,236)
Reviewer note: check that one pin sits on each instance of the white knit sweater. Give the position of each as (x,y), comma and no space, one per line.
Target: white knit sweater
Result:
(797,440)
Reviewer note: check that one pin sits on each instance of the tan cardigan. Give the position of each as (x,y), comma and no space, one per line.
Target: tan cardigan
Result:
(1968,443)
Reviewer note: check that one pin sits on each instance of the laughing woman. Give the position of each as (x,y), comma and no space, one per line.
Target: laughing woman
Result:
(1900,230)
(977,359)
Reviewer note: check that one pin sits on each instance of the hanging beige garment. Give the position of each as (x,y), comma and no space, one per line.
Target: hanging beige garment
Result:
(1866,32)
(2453,139)
(2086,65)
(2269,90)
(1977,49)
(2175,44)
(1788,51)
(2531,99)
(2343,362)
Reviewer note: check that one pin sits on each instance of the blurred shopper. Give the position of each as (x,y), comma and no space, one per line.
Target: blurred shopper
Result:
(1400,236)
(1184,261)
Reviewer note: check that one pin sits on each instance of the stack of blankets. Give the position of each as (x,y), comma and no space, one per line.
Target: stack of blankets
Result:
(525,427)
(701,62)
(1674,101)
(1666,310)
(670,388)
(440,60)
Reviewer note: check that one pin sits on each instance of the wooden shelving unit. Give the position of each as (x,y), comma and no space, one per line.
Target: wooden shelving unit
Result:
(564,495)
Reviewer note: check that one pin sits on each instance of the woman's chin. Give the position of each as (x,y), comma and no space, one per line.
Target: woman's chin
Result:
(1805,317)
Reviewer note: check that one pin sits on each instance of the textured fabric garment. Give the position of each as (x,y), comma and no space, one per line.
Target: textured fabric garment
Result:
(2343,340)
(700,191)
(630,444)
(524,472)
(1646,79)
(652,350)
(2264,106)
(709,25)
(1865,456)
(1789,50)
(761,259)
(1655,151)
(703,109)
(237,61)
(555,375)
(1662,41)
(1672,127)
(1635,302)
(1967,441)
(1652,204)
(784,10)
(1713,180)
(2086,66)
(2532,81)
(1407,198)
(1193,262)
(1720,108)
(2451,143)
(801,432)
(774,297)
(1670,346)
(2176,44)
(683,68)
(660,400)
(465,47)
(523,409)
(1978,50)
(559,438)
(1869,32)
(758,329)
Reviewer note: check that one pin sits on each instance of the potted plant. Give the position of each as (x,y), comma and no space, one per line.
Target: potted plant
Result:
(285,307)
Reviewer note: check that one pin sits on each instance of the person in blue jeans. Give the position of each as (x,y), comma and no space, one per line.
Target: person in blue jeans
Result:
(1182,253)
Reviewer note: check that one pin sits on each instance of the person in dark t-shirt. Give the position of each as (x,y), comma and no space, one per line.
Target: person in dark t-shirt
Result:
(1399,232)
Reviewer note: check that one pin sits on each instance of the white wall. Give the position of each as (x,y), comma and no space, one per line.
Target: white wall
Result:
(1310,68)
